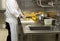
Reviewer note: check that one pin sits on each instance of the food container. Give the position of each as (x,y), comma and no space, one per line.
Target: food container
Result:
(48,22)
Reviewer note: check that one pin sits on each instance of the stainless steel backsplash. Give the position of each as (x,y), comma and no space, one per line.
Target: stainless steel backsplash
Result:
(31,5)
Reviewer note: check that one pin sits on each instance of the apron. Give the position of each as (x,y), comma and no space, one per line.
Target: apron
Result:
(13,28)
(12,13)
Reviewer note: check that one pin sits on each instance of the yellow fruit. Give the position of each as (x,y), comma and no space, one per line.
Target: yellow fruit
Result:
(34,18)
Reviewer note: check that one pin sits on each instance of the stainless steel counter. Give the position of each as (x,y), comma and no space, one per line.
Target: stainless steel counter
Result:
(38,35)
(26,29)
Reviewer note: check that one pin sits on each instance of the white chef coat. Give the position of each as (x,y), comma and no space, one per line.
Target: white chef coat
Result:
(12,12)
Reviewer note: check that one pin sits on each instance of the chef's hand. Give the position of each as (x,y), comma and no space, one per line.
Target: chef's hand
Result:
(23,16)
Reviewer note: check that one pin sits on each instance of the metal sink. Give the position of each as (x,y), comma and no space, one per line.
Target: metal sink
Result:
(40,27)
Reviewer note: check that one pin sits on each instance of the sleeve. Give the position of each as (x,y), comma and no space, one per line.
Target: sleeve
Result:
(13,8)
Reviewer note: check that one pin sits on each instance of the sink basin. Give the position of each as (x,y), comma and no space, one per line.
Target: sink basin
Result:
(40,27)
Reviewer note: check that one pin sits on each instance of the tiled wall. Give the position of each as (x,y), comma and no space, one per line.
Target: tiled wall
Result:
(30,5)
